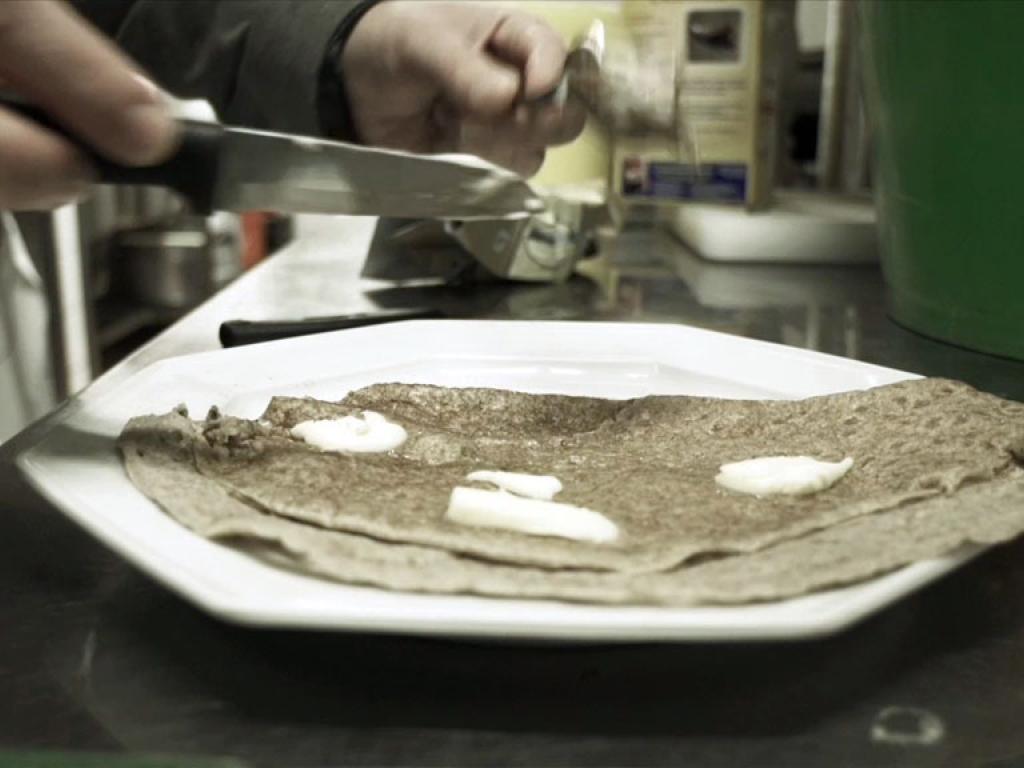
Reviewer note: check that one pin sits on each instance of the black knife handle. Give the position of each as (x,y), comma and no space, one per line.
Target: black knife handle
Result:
(237,333)
(192,171)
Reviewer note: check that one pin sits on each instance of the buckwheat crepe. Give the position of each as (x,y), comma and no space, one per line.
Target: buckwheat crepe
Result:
(647,464)
(159,455)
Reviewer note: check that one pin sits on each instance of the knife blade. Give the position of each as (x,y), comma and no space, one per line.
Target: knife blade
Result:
(220,167)
(302,175)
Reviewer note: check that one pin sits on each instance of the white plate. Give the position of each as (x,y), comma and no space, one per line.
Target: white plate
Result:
(75,465)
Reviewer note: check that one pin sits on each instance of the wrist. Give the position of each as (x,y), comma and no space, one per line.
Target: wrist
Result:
(334,113)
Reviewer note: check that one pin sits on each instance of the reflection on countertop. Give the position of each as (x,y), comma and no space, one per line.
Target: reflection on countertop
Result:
(647,275)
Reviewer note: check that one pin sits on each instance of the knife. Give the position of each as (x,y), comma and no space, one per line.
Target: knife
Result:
(219,167)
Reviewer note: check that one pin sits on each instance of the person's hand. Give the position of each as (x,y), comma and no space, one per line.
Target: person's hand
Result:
(458,77)
(51,58)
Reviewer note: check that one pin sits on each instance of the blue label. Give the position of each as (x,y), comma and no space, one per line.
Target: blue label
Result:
(679,181)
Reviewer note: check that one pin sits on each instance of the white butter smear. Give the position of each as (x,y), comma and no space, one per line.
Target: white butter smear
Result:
(501,509)
(790,475)
(368,433)
(542,487)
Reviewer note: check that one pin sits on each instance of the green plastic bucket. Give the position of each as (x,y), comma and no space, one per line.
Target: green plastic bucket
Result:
(945,90)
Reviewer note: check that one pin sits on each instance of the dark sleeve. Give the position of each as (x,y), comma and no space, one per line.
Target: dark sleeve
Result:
(261,63)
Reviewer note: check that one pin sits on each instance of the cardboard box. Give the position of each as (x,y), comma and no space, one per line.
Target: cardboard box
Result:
(723,62)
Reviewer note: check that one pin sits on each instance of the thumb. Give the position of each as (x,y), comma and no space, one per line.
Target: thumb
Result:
(53,58)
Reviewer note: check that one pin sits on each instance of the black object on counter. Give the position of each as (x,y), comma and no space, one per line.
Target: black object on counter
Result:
(237,333)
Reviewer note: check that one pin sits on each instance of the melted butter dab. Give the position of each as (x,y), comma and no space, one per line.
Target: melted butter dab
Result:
(500,509)
(369,432)
(543,487)
(782,475)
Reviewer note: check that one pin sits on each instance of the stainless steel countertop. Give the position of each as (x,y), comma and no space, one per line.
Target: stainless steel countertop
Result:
(94,656)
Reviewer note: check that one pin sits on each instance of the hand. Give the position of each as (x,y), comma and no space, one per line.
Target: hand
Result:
(458,77)
(51,58)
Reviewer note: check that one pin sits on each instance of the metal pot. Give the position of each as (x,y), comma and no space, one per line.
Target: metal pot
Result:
(178,265)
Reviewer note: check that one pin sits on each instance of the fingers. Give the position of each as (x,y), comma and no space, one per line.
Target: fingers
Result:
(519,57)
(548,125)
(52,58)
(491,142)
(517,141)
(534,48)
(473,82)
(462,77)
(509,130)
(38,170)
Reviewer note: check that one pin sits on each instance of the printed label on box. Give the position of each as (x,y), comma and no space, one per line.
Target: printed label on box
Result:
(668,180)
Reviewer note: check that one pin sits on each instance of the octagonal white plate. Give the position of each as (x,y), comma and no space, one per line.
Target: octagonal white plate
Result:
(75,465)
